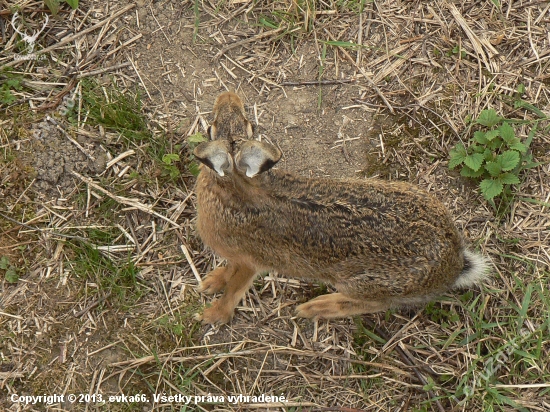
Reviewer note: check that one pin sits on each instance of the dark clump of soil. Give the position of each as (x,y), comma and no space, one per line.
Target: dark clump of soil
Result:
(50,156)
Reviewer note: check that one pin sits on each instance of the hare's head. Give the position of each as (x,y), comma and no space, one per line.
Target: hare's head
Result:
(230,122)
(231,148)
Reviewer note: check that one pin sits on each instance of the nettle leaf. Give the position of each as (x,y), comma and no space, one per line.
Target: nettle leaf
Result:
(195,140)
(508,178)
(508,160)
(458,154)
(507,132)
(495,144)
(4,262)
(512,141)
(11,276)
(170,158)
(455,161)
(520,147)
(479,137)
(490,188)
(194,168)
(72,3)
(491,134)
(467,172)
(493,168)
(53,5)
(474,161)
(488,118)
(488,154)
(476,148)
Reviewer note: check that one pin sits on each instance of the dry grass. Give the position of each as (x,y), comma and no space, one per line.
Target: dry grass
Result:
(105,298)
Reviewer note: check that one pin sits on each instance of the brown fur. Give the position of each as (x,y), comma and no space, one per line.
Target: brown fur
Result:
(379,243)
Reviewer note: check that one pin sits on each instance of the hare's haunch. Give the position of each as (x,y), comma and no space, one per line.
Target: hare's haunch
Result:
(380,244)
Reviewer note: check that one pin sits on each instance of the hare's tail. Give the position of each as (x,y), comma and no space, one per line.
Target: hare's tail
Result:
(476,269)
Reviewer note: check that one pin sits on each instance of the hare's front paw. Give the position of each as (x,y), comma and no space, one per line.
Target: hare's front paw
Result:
(217,314)
(215,281)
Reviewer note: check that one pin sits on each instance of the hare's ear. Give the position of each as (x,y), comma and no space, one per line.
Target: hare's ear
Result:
(256,157)
(215,155)
(249,129)
(212,131)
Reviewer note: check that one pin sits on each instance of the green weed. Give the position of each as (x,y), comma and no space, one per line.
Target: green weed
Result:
(494,156)
(168,161)
(54,5)
(10,83)
(457,51)
(10,271)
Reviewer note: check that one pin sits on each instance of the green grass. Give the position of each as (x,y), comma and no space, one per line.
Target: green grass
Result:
(512,350)
(114,109)
(122,112)
(120,278)
(508,346)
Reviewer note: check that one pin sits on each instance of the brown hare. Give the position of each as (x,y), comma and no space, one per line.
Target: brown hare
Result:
(380,244)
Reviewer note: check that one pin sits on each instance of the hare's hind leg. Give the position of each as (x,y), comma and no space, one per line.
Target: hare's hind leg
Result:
(236,281)
(338,305)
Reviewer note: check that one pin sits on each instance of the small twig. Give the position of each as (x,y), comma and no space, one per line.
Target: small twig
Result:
(57,99)
(245,41)
(120,157)
(124,200)
(101,71)
(317,82)
(53,232)
(140,79)
(3,29)
(93,305)
(160,27)
(14,375)
(9,315)
(191,263)
(220,361)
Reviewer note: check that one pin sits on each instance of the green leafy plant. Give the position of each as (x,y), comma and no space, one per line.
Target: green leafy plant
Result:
(54,5)
(193,141)
(10,271)
(495,156)
(6,96)
(168,161)
(457,51)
